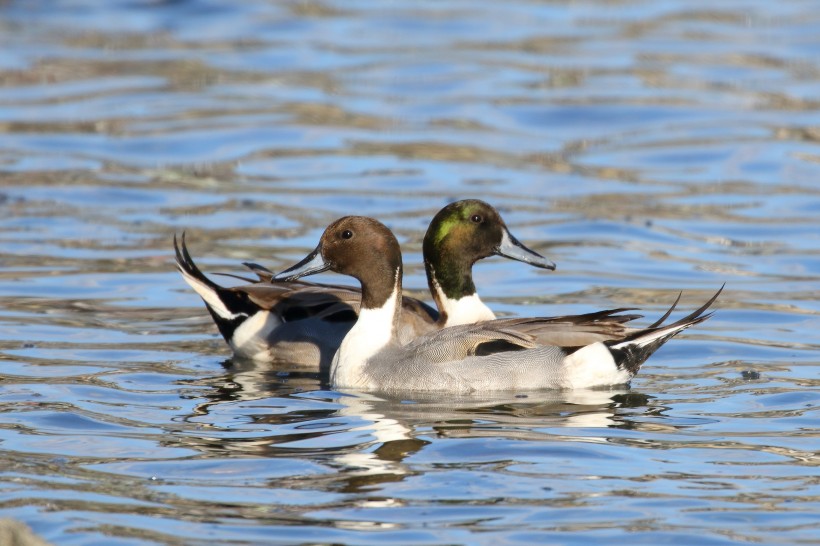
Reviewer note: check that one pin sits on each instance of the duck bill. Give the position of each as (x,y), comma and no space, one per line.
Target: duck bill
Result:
(312,264)
(512,248)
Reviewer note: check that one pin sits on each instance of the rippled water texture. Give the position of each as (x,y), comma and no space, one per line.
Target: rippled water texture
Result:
(647,147)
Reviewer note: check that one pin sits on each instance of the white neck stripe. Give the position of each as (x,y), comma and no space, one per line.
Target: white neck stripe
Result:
(467,310)
(373,331)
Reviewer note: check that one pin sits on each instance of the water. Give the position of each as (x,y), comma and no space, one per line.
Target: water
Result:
(646,147)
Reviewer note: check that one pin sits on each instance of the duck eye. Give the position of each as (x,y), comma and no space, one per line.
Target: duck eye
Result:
(347,234)
(476,218)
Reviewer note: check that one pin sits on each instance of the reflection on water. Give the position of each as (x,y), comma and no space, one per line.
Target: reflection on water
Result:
(649,147)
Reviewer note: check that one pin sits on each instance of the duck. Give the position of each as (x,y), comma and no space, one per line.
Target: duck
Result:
(496,355)
(304,323)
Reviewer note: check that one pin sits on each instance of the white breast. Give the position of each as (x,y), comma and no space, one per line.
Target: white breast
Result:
(372,332)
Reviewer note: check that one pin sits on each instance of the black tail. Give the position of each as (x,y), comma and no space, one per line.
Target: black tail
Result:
(188,268)
(229,308)
(668,312)
(632,351)
(264,274)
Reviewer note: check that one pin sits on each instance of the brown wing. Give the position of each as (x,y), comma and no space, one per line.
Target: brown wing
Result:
(574,330)
(299,300)
(505,335)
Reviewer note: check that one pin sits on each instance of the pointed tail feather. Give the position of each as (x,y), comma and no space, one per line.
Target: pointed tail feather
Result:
(666,315)
(185,264)
(264,274)
(631,352)
(228,308)
(235,276)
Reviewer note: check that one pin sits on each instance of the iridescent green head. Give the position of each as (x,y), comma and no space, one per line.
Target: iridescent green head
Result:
(463,233)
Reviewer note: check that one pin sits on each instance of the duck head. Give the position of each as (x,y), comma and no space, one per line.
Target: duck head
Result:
(463,233)
(360,247)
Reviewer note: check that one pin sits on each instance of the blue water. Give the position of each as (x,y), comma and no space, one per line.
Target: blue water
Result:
(646,147)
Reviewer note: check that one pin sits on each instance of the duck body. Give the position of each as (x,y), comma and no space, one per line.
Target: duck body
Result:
(452,360)
(294,322)
(497,355)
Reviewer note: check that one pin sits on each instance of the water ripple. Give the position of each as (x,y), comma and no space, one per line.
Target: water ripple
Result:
(647,147)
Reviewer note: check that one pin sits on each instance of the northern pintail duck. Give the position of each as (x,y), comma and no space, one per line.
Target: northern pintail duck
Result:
(487,356)
(304,323)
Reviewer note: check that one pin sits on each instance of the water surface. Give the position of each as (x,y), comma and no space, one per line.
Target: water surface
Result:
(646,147)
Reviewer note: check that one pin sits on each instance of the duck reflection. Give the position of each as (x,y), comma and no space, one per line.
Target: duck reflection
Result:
(397,426)
(251,380)
(260,410)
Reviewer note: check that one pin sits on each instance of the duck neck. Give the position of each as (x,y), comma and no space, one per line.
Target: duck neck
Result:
(375,329)
(450,279)
(383,299)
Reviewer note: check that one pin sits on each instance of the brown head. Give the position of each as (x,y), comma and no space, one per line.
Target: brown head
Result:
(358,246)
